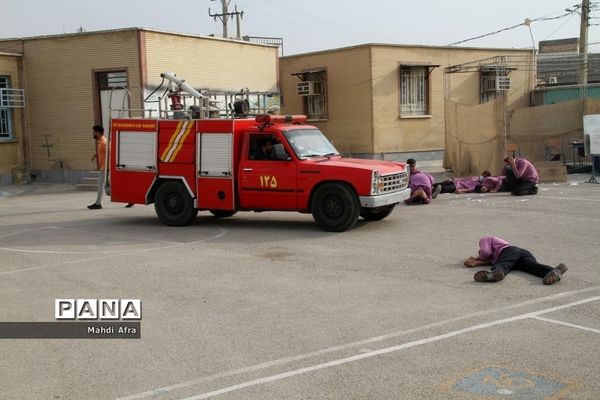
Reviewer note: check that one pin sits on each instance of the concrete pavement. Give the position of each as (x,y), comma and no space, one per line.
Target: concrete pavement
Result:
(269,306)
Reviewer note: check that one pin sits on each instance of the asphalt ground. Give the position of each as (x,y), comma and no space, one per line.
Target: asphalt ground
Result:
(269,306)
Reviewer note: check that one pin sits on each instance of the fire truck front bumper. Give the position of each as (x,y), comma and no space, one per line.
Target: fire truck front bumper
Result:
(384,199)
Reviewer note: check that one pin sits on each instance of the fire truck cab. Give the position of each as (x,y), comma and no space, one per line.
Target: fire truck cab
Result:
(229,165)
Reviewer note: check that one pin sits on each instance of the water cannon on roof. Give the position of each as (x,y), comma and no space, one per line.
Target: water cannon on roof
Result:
(178,85)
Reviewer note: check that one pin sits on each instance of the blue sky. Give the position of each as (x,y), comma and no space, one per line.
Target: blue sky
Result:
(312,25)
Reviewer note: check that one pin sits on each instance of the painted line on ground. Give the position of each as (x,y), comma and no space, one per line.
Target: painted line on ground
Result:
(568,198)
(387,350)
(222,233)
(554,321)
(287,360)
(16,250)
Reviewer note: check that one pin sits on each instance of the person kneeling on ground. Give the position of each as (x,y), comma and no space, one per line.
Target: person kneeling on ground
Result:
(521,177)
(420,189)
(505,257)
(419,183)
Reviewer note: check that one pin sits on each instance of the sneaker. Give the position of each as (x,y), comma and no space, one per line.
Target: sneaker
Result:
(555,275)
(129,205)
(94,206)
(488,276)
(438,190)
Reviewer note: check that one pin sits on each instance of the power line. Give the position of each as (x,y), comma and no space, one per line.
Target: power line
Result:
(527,22)
(278,18)
(323,21)
(560,27)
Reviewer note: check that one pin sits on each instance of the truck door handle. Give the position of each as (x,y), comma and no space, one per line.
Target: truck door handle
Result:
(247,169)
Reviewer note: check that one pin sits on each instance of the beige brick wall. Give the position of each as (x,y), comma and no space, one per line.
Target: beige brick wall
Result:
(349,89)
(11,152)
(395,134)
(59,82)
(362,75)
(60,73)
(209,63)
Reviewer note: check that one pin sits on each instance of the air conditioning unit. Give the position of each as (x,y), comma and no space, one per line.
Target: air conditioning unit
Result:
(496,84)
(502,83)
(12,98)
(552,80)
(311,88)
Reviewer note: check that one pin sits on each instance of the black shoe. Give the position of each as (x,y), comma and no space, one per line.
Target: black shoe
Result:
(555,275)
(436,191)
(488,276)
(95,206)
(129,205)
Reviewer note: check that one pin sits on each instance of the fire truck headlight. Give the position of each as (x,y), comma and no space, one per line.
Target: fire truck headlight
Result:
(375,182)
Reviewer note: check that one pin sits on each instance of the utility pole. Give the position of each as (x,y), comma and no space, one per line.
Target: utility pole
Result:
(583,39)
(238,16)
(224,16)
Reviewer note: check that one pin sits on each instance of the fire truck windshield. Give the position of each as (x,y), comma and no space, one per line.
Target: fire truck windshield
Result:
(308,143)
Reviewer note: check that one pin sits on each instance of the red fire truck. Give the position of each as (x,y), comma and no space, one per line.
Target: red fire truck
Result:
(269,162)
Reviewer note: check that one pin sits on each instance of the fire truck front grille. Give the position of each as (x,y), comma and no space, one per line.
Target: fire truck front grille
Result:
(395,182)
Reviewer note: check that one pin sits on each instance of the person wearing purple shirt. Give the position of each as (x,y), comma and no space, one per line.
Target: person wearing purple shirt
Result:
(467,184)
(490,184)
(419,183)
(505,257)
(420,188)
(521,177)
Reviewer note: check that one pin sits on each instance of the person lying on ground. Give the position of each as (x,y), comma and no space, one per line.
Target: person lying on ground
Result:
(490,184)
(468,184)
(505,257)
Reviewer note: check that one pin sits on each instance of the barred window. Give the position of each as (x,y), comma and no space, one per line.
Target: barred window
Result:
(6,131)
(414,90)
(315,99)
(115,79)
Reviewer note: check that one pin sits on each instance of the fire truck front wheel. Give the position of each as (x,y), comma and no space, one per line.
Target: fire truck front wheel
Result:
(173,204)
(335,207)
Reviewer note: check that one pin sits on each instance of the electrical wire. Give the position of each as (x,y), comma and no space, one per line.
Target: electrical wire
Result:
(318,19)
(560,27)
(292,22)
(527,22)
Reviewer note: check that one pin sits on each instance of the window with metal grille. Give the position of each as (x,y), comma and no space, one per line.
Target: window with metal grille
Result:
(494,81)
(113,79)
(413,91)
(315,104)
(6,132)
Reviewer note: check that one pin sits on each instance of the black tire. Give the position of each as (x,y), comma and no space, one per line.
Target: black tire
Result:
(173,204)
(222,213)
(335,207)
(377,214)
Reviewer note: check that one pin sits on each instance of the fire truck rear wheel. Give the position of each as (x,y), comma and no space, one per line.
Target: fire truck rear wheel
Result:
(222,213)
(335,207)
(173,204)
(377,214)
